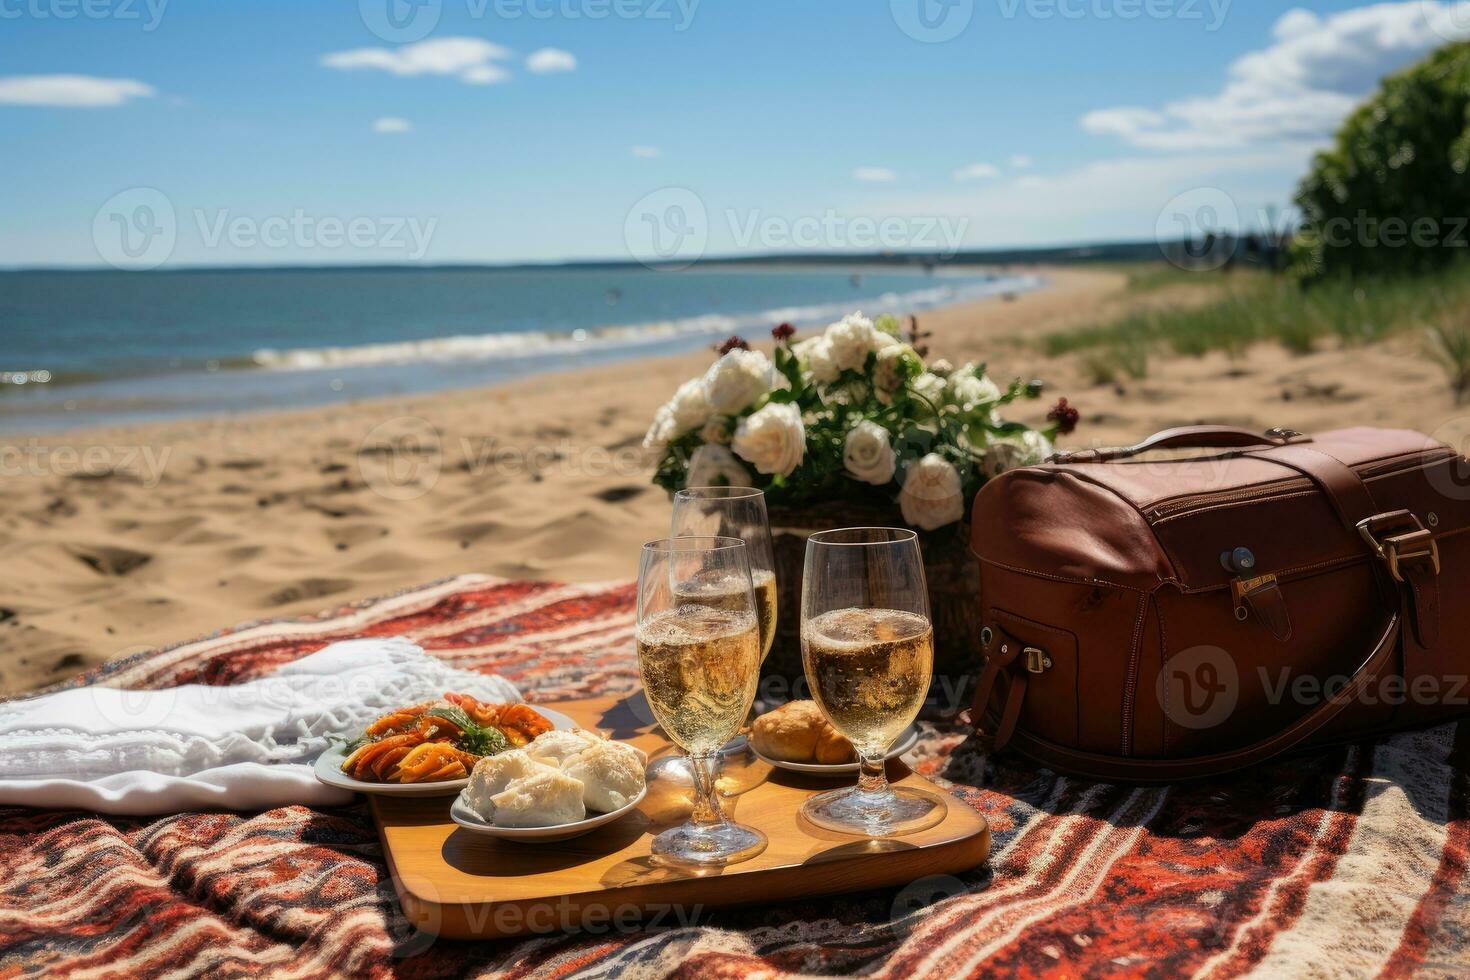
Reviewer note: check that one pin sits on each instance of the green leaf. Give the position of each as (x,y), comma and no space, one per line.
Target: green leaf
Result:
(475,739)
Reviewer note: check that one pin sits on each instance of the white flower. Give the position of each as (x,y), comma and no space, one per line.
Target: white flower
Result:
(715,466)
(661,431)
(773,440)
(735,381)
(969,389)
(933,494)
(1029,448)
(888,371)
(819,361)
(689,407)
(868,455)
(852,339)
(930,386)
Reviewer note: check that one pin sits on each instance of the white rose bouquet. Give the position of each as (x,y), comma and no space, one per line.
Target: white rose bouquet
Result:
(854,413)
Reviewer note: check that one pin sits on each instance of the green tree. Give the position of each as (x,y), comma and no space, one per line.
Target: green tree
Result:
(1392,195)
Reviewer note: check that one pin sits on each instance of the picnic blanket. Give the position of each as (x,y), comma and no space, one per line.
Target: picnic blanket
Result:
(1349,862)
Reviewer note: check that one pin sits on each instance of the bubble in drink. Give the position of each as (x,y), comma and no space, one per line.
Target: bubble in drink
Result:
(700,665)
(869,671)
(726,591)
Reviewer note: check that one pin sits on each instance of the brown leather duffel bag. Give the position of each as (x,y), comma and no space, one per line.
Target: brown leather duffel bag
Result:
(1150,618)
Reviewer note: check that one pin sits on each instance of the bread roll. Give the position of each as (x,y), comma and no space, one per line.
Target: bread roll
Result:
(832,749)
(789,733)
(797,732)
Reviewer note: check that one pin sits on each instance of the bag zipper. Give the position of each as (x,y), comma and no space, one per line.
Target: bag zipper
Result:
(1177,506)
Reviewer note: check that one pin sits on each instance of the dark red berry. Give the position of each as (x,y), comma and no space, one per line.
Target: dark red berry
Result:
(783,333)
(1065,417)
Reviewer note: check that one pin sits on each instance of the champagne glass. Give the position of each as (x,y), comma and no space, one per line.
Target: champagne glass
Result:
(699,664)
(868,649)
(734,512)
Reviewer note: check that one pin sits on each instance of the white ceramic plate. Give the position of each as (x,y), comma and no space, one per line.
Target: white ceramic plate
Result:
(906,741)
(328,769)
(460,812)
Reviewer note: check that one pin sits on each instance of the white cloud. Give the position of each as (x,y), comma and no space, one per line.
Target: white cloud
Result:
(392,124)
(874,174)
(1021,162)
(470,59)
(1301,86)
(646,152)
(977,171)
(1104,200)
(71,91)
(549,60)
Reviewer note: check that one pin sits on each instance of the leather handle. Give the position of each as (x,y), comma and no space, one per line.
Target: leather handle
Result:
(1162,770)
(1184,437)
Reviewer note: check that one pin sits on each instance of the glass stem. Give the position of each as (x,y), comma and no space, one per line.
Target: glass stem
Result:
(874,775)
(706,801)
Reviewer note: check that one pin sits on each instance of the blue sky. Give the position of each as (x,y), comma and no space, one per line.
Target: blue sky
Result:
(531,129)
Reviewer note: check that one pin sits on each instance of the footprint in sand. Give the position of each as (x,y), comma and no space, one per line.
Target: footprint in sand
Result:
(616,495)
(310,588)
(110,561)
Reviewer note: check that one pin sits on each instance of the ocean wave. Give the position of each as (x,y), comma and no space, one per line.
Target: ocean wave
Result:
(540,343)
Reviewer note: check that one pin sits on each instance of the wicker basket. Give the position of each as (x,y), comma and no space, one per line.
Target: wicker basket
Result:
(950,568)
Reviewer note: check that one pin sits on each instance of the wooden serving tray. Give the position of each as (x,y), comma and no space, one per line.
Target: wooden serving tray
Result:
(462,885)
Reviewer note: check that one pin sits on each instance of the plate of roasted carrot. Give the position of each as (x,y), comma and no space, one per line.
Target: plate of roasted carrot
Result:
(430,748)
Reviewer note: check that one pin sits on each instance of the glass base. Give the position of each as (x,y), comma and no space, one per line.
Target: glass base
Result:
(889,813)
(707,845)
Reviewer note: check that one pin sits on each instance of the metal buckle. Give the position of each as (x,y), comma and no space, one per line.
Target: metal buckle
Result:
(1413,541)
(1036,660)
(1241,586)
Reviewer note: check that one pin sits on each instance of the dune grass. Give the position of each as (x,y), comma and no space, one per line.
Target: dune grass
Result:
(1255,307)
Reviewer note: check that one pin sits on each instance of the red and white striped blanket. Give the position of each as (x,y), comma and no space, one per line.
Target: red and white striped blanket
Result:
(1351,862)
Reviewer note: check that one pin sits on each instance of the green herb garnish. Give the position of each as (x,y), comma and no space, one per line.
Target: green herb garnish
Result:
(476,739)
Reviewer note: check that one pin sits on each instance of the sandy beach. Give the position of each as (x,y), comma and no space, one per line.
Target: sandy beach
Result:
(119,540)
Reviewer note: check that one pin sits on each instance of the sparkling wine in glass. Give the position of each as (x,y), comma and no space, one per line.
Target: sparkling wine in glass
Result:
(699,663)
(868,648)
(733,512)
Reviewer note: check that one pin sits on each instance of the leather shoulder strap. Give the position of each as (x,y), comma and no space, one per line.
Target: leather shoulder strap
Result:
(1345,490)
